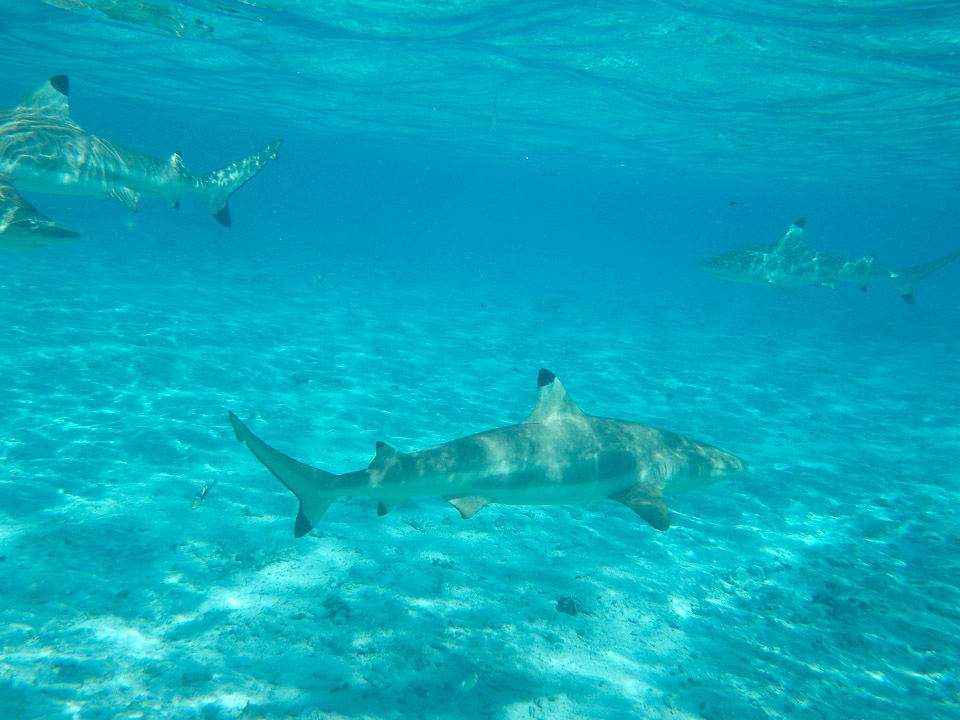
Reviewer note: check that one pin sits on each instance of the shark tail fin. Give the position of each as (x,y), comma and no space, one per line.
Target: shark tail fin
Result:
(217,186)
(904,280)
(310,485)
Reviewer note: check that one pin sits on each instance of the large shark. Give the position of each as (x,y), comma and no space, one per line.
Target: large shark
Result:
(42,149)
(788,263)
(558,455)
(22,225)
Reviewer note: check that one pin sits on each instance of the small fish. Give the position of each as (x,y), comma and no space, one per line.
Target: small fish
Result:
(468,683)
(202,495)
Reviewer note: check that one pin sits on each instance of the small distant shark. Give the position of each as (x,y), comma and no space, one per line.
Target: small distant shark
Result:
(558,455)
(22,225)
(43,150)
(788,263)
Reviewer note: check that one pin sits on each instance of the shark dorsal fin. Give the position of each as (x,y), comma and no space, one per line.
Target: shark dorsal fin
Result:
(176,161)
(793,237)
(50,99)
(384,453)
(553,403)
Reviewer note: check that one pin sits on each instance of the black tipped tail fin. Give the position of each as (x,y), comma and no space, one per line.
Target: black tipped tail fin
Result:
(311,485)
(904,280)
(217,186)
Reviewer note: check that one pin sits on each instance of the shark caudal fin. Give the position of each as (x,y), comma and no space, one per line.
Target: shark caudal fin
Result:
(217,186)
(904,280)
(309,484)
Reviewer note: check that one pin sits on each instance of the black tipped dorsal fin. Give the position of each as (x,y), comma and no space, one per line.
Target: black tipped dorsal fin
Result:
(50,99)
(176,162)
(553,403)
(793,237)
(384,453)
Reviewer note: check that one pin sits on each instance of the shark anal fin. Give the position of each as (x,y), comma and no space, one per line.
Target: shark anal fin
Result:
(467,505)
(647,502)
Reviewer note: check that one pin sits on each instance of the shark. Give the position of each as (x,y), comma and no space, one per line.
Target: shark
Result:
(43,150)
(22,225)
(789,263)
(557,455)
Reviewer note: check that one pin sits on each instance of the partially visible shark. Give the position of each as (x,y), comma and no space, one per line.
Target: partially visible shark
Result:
(558,455)
(42,149)
(788,263)
(22,225)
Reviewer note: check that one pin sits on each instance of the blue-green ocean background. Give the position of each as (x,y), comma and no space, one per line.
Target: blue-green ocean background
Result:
(467,192)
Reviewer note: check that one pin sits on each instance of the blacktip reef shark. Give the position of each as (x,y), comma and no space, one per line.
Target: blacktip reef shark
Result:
(558,455)
(43,150)
(22,225)
(788,263)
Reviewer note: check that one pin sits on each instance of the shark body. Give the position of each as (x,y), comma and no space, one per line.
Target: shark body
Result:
(42,149)
(558,455)
(22,225)
(789,263)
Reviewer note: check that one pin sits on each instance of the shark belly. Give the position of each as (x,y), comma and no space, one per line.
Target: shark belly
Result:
(518,465)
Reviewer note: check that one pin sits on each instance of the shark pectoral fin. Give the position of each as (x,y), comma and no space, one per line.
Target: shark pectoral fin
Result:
(788,290)
(128,197)
(647,502)
(467,505)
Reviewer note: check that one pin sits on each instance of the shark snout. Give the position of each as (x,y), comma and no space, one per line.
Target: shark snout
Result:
(721,465)
(731,465)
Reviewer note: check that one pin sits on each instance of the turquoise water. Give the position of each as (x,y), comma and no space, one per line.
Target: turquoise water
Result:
(468,192)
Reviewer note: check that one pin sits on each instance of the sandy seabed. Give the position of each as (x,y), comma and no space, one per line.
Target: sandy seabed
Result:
(824,584)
